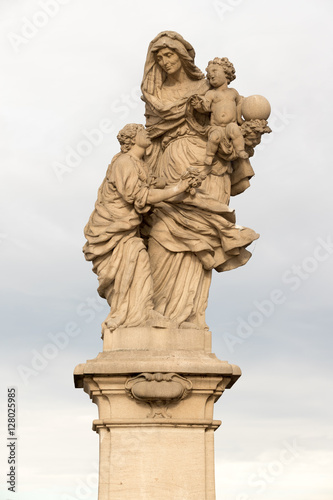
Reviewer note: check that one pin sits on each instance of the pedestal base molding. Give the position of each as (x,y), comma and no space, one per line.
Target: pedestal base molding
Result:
(155,423)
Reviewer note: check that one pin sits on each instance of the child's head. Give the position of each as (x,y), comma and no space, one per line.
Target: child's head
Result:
(127,136)
(219,64)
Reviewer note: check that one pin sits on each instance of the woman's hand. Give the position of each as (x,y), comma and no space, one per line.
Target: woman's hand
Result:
(195,101)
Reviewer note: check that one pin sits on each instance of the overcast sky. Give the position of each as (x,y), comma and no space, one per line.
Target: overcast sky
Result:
(76,67)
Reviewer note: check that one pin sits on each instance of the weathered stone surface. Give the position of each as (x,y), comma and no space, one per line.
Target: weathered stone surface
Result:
(162,220)
(157,339)
(156,415)
(161,224)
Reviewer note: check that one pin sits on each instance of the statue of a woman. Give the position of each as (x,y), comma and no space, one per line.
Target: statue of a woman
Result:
(192,235)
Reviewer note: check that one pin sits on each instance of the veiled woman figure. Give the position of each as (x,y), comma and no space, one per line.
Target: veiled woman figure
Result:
(191,235)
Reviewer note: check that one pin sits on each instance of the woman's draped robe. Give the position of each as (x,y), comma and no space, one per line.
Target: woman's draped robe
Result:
(188,238)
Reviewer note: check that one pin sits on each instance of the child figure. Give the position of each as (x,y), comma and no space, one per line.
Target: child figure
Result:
(224,104)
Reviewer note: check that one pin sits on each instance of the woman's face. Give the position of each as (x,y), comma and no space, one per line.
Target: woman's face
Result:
(168,60)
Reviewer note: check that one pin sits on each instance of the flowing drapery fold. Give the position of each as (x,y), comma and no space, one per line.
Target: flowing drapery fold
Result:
(115,246)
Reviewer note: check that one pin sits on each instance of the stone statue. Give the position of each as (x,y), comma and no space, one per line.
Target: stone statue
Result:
(189,238)
(161,224)
(170,187)
(225,107)
(114,244)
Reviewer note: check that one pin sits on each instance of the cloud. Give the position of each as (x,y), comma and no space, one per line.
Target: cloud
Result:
(84,66)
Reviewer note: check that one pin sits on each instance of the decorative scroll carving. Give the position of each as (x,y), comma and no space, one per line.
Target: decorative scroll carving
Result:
(158,390)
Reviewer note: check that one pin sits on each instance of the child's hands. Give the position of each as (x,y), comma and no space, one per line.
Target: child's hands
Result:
(195,101)
(193,178)
(184,185)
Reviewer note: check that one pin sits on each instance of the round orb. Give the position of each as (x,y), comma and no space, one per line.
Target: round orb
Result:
(256,107)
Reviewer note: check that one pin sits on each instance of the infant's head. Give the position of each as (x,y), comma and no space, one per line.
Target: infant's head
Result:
(219,71)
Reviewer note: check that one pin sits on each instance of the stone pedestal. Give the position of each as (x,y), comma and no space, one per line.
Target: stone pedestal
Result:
(155,390)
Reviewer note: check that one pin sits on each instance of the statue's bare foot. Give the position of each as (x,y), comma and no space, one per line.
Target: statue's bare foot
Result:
(110,324)
(242,154)
(209,160)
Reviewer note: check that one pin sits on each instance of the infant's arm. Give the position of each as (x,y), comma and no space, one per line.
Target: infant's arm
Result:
(203,104)
(238,100)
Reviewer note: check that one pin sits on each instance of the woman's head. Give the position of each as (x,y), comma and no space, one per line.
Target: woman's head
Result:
(169,60)
(171,46)
(156,67)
